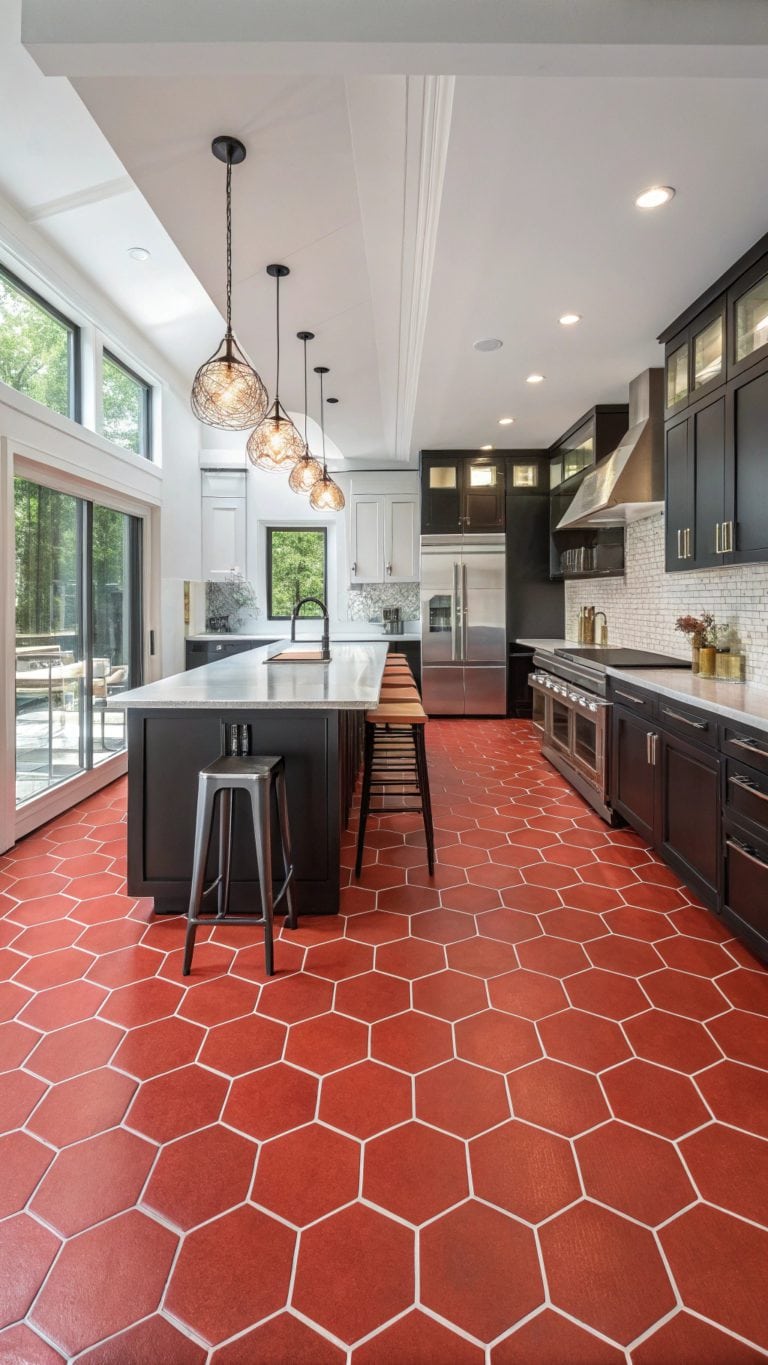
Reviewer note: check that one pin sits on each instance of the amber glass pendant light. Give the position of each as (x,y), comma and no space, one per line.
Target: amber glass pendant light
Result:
(307,470)
(326,496)
(276,444)
(226,391)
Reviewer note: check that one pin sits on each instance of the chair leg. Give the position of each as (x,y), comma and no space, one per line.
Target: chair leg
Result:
(285,842)
(225,851)
(426,800)
(365,798)
(262,829)
(203,820)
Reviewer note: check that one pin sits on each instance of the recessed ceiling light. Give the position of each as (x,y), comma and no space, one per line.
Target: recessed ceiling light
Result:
(654,197)
(506,421)
(139,253)
(534,379)
(486,447)
(488,344)
(569,319)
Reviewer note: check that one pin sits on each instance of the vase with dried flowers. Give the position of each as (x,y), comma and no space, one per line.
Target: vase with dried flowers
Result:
(697,629)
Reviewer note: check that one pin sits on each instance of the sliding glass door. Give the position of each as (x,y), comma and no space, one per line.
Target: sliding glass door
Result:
(78,633)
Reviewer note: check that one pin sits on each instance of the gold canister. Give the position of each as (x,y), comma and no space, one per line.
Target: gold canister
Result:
(707,661)
(737,667)
(723,664)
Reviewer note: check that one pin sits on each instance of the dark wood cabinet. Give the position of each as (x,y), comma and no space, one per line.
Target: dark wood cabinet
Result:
(633,776)
(678,519)
(461,492)
(577,451)
(746,508)
(200,652)
(688,831)
(696,458)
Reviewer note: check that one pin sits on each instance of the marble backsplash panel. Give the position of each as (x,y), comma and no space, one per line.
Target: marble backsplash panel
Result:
(642,607)
(366,601)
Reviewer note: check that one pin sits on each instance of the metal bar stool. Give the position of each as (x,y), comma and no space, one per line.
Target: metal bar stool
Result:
(256,775)
(395,756)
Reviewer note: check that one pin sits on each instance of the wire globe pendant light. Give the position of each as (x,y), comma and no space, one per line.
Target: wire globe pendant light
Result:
(307,470)
(226,391)
(326,496)
(276,444)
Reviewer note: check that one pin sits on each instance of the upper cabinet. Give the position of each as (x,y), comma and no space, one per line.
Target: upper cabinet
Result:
(223,523)
(717,416)
(384,538)
(462,493)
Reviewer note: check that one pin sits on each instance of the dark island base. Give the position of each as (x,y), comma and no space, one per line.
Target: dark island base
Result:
(166,751)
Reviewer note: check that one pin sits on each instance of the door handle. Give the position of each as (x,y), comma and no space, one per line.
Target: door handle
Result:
(685,720)
(747,784)
(651,741)
(688,550)
(464,610)
(718,537)
(455,614)
(648,738)
(388,568)
(680,554)
(728,538)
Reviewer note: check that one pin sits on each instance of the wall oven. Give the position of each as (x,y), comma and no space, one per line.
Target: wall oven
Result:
(575,729)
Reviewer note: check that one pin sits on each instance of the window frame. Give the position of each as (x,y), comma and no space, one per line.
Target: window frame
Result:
(74,345)
(146,453)
(309,530)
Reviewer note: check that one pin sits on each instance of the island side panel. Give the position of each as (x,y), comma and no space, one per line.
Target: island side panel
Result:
(166,751)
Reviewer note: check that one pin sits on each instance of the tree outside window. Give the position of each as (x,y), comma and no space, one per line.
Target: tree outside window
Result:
(125,407)
(38,348)
(296,568)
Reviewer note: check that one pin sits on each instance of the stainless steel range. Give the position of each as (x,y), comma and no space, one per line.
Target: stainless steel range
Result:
(571,710)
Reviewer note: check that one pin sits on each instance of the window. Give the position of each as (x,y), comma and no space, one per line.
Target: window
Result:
(296,568)
(126,407)
(39,349)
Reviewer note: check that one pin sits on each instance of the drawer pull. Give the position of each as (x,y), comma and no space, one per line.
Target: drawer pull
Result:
(750,747)
(738,847)
(627,696)
(694,724)
(748,785)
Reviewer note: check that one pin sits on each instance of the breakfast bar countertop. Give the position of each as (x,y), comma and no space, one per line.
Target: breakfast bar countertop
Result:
(350,681)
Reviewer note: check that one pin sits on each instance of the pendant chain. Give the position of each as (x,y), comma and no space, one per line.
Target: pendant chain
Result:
(229,245)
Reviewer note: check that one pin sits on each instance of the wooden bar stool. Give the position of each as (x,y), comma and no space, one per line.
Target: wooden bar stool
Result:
(258,776)
(395,757)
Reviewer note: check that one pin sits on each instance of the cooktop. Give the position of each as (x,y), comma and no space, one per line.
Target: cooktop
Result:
(621,658)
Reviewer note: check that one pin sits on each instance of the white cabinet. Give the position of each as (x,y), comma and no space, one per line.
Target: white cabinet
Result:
(384,538)
(223,523)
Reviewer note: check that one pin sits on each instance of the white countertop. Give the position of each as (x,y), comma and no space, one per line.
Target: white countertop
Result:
(741,702)
(364,637)
(351,681)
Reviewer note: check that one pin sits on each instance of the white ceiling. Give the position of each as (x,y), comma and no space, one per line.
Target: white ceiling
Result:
(417,214)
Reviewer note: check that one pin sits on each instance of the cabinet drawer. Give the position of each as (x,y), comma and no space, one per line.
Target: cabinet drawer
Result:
(746,795)
(745,745)
(687,721)
(637,701)
(746,883)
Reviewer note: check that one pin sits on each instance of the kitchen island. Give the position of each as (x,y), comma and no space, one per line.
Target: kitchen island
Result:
(308,712)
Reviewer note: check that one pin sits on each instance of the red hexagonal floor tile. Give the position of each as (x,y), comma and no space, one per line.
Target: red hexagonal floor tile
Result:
(557,1097)
(16,1043)
(282,1338)
(653,1098)
(730,1169)
(683,993)
(81,1107)
(45,938)
(19,1345)
(687,1339)
(461,1099)
(340,958)
(270,1101)
(93,1180)
(408,899)
(419,1340)
(606,993)
(611,1159)
(584,1040)
(450,995)
(484,957)
(124,966)
(496,1040)
(372,996)
(160,1046)
(217,1002)
(529,994)
(176,1103)
(375,927)
(737,1095)
(59,1006)
(615,953)
(510,926)
(742,1037)
(243,1045)
(141,1002)
(465,1258)
(552,956)
(296,997)
(327,1043)
(525,1170)
(719,1262)
(23,1161)
(139,1253)
(339,1282)
(415,1172)
(616,1283)
(443,926)
(27,1250)
(410,958)
(548,1338)
(201,1175)
(219,1286)
(671,1040)
(153,1339)
(306,1174)
(747,990)
(365,1099)
(695,955)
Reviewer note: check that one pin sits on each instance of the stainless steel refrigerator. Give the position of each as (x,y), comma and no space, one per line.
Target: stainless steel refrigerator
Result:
(463,625)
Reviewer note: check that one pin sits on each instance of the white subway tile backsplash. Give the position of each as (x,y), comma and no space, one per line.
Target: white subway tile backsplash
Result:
(642,607)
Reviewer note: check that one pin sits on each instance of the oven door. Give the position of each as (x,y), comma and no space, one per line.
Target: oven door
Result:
(589,729)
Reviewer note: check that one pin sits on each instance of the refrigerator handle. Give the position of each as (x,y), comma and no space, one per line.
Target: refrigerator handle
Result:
(464,610)
(456,615)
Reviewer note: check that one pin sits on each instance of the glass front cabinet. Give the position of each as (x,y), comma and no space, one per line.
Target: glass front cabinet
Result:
(462,492)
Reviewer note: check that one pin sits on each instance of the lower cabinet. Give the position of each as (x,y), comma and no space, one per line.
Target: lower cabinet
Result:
(633,776)
(688,830)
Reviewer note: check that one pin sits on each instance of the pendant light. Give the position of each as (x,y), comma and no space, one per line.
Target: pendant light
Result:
(326,496)
(226,391)
(276,444)
(307,470)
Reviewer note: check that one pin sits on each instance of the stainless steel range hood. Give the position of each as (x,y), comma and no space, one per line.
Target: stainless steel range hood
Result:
(628,483)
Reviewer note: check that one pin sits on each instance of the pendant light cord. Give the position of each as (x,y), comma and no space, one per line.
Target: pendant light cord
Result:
(322,426)
(277,362)
(229,246)
(306,403)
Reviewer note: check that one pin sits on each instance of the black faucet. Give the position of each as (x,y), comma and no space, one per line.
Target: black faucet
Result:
(325,643)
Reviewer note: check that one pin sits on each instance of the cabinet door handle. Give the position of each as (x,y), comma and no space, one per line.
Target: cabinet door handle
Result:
(750,747)
(688,550)
(627,696)
(388,568)
(354,566)
(738,847)
(680,554)
(685,720)
(728,539)
(651,740)
(718,537)
(747,784)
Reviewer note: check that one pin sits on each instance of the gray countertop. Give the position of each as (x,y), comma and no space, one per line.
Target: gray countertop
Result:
(351,681)
(742,702)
